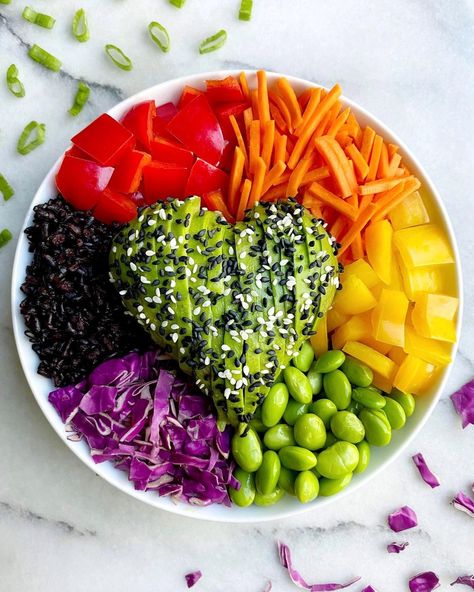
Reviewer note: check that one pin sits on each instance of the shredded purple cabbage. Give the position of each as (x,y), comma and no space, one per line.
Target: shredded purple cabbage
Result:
(153,425)
(424,582)
(426,474)
(464,503)
(463,401)
(466,580)
(368,589)
(397,547)
(268,587)
(402,519)
(192,578)
(297,578)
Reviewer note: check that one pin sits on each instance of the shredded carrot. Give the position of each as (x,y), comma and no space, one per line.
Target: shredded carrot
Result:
(277,117)
(368,138)
(393,165)
(240,140)
(262,97)
(382,170)
(375,158)
(297,176)
(364,201)
(315,175)
(338,122)
(332,118)
(330,199)
(310,108)
(288,95)
(380,185)
(274,193)
(248,118)
(244,198)
(360,164)
(268,142)
(304,98)
(218,199)
(357,247)
(392,149)
(338,226)
(338,164)
(273,176)
(254,101)
(326,122)
(356,228)
(282,107)
(257,184)
(235,178)
(254,144)
(279,153)
(312,205)
(388,202)
(244,85)
(344,139)
(353,200)
(355,130)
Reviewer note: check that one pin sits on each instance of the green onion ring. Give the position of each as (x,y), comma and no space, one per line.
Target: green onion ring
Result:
(245,12)
(15,86)
(165,47)
(5,188)
(37,18)
(5,235)
(81,98)
(214,42)
(5,1)
(25,145)
(80,28)
(122,61)
(178,3)
(44,58)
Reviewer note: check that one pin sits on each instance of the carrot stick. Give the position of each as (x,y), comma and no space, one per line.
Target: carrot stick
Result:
(380,185)
(297,176)
(277,117)
(315,175)
(235,178)
(338,226)
(274,193)
(254,101)
(356,228)
(387,203)
(268,142)
(375,158)
(248,118)
(344,139)
(288,95)
(259,178)
(330,199)
(326,122)
(240,140)
(282,107)
(304,98)
(368,138)
(310,108)
(273,176)
(244,198)
(353,200)
(355,130)
(394,163)
(218,199)
(357,247)
(364,201)
(279,153)
(254,144)
(332,118)
(338,164)
(262,97)
(392,149)
(338,123)
(360,164)
(244,85)
(382,170)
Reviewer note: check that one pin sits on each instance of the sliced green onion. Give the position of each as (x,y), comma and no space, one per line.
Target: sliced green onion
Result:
(118,57)
(25,145)
(5,188)
(44,58)
(214,42)
(5,1)
(5,235)
(80,28)
(81,98)
(15,86)
(156,30)
(38,18)
(178,3)
(245,12)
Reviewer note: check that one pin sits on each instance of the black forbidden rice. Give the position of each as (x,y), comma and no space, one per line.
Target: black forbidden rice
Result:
(73,314)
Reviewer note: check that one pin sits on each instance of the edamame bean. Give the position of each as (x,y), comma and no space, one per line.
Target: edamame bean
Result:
(324,408)
(357,373)
(305,357)
(315,378)
(275,404)
(298,385)
(337,388)
(377,427)
(296,458)
(364,456)
(368,398)
(310,432)
(406,400)
(395,414)
(257,424)
(353,407)
(266,478)
(247,451)
(306,487)
(279,436)
(329,487)
(287,480)
(330,439)
(330,361)
(270,498)
(347,426)
(244,496)
(293,411)
(337,460)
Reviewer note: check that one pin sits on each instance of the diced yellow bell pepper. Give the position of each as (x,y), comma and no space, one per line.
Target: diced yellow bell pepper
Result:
(397,355)
(335,319)
(354,298)
(414,375)
(378,244)
(383,348)
(388,317)
(384,384)
(423,245)
(433,316)
(363,271)
(411,212)
(375,360)
(423,279)
(396,280)
(429,350)
(320,340)
(356,328)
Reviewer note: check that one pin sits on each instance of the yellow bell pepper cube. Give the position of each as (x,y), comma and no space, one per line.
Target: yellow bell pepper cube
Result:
(374,359)
(384,384)
(397,355)
(354,298)
(396,280)
(378,244)
(320,340)
(423,245)
(363,271)
(429,350)
(424,279)
(383,348)
(411,212)
(414,375)
(433,316)
(388,317)
(335,319)
(356,328)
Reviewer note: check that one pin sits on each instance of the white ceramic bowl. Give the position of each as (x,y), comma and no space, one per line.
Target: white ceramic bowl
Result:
(381,457)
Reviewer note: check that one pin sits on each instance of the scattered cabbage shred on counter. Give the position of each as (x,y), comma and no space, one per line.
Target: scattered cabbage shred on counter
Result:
(424,582)
(402,519)
(464,503)
(463,401)
(397,547)
(192,578)
(426,474)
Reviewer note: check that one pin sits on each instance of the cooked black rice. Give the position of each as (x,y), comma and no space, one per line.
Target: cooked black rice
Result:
(74,316)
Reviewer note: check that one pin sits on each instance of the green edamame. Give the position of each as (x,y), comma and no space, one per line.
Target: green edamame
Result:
(347,426)
(257,424)
(310,432)
(247,451)
(244,496)
(279,436)
(368,398)
(330,439)
(353,407)
(270,498)
(337,388)
(406,400)
(275,404)
(329,487)
(377,427)
(330,361)
(364,456)
(287,480)
(315,378)
(305,357)
(306,487)
(395,414)
(266,478)
(337,460)
(323,408)
(357,373)
(297,458)
(298,385)
(293,411)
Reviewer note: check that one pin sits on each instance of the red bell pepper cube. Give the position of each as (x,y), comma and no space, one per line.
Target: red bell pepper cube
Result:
(128,172)
(223,112)
(227,157)
(82,182)
(215,201)
(105,140)
(189,93)
(226,90)
(197,128)
(165,150)
(164,114)
(162,180)
(114,207)
(204,178)
(74,151)
(139,120)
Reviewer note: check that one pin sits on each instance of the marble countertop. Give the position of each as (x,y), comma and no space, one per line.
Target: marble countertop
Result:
(62,528)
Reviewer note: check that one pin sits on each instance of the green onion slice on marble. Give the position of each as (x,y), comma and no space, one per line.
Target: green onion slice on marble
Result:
(214,42)
(245,11)
(81,98)
(31,137)
(5,237)
(5,188)
(159,35)
(40,55)
(80,27)
(118,57)
(38,18)
(15,86)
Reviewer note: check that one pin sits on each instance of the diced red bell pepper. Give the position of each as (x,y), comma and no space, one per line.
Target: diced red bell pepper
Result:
(189,93)
(223,112)
(128,172)
(197,128)
(168,151)
(137,199)
(227,157)
(82,182)
(105,140)
(204,178)
(74,151)
(114,207)
(215,201)
(139,120)
(162,180)
(226,90)
(164,114)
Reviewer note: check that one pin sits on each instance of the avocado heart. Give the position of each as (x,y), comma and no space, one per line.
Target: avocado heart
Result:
(231,303)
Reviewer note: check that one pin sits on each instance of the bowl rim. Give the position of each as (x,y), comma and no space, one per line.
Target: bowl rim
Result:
(204,513)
